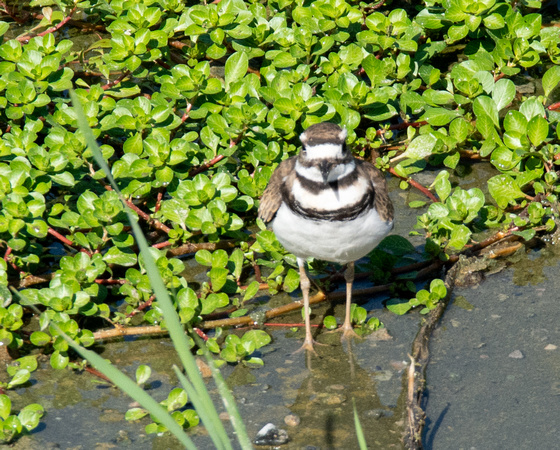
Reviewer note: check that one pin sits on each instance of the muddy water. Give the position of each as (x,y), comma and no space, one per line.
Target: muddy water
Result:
(492,380)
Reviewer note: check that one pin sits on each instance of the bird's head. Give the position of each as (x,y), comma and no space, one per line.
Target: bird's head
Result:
(324,156)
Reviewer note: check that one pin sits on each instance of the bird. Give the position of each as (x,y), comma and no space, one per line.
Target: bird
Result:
(326,204)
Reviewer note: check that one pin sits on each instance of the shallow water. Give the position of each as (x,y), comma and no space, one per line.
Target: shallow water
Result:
(493,376)
(480,394)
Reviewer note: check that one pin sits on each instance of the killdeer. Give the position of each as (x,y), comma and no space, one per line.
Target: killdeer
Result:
(326,204)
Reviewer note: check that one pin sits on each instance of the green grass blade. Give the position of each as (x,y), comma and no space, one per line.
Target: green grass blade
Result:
(222,441)
(358,426)
(228,401)
(128,386)
(208,414)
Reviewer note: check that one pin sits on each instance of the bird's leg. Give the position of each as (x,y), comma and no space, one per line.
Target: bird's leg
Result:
(347,330)
(305,284)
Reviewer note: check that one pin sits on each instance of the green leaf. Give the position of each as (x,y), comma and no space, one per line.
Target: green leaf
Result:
(485,106)
(551,80)
(5,406)
(218,277)
(439,116)
(39,338)
(251,290)
(219,258)
(422,147)
(537,130)
(291,280)
(259,338)
(30,415)
(58,360)
(504,190)
(396,245)
(20,377)
(143,372)
(330,322)
(123,257)
(135,414)
(503,93)
(236,67)
(527,235)
(204,257)
(442,185)
(398,306)
(460,236)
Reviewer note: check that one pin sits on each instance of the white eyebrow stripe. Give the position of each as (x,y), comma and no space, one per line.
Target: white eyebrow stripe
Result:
(323,151)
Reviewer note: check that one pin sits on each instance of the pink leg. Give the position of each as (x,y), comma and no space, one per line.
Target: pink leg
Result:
(347,330)
(305,284)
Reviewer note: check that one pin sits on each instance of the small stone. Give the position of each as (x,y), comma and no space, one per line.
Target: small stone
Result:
(378,413)
(516,354)
(333,399)
(550,347)
(224,416)
(336,387)
(203,368)
(292,420)
(484,357)
(380,335)
(270,434)
(398,365)
(384,375)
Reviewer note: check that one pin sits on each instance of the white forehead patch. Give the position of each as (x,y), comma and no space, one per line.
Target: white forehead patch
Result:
(324,151)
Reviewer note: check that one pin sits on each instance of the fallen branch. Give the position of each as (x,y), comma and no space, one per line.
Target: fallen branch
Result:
(416,378)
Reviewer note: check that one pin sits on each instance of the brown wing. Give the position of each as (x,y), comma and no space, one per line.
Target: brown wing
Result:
(272,196)
(382,202)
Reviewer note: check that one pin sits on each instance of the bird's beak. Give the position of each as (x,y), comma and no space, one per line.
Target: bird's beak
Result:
(325,169)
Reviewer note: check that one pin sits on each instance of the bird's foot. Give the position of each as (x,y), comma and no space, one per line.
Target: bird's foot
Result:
(308,345)
(347,332)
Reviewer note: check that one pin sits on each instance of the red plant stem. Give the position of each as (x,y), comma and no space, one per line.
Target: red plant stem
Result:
(554,106)
(59,25)
(66,241)
(290,325)
(416,185)
(213,161)
(201,333)
(187,112)
(158,200)
(8,251)
(61,238)
(97,373)
(117,81)
(154,223)
(141,307)
(262,286)
(258,275)
(162,244)
(109,282)
(205,166)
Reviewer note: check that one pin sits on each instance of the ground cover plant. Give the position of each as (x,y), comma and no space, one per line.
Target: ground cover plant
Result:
(193,106)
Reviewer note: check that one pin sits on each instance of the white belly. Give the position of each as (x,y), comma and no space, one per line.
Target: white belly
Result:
(337,241)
